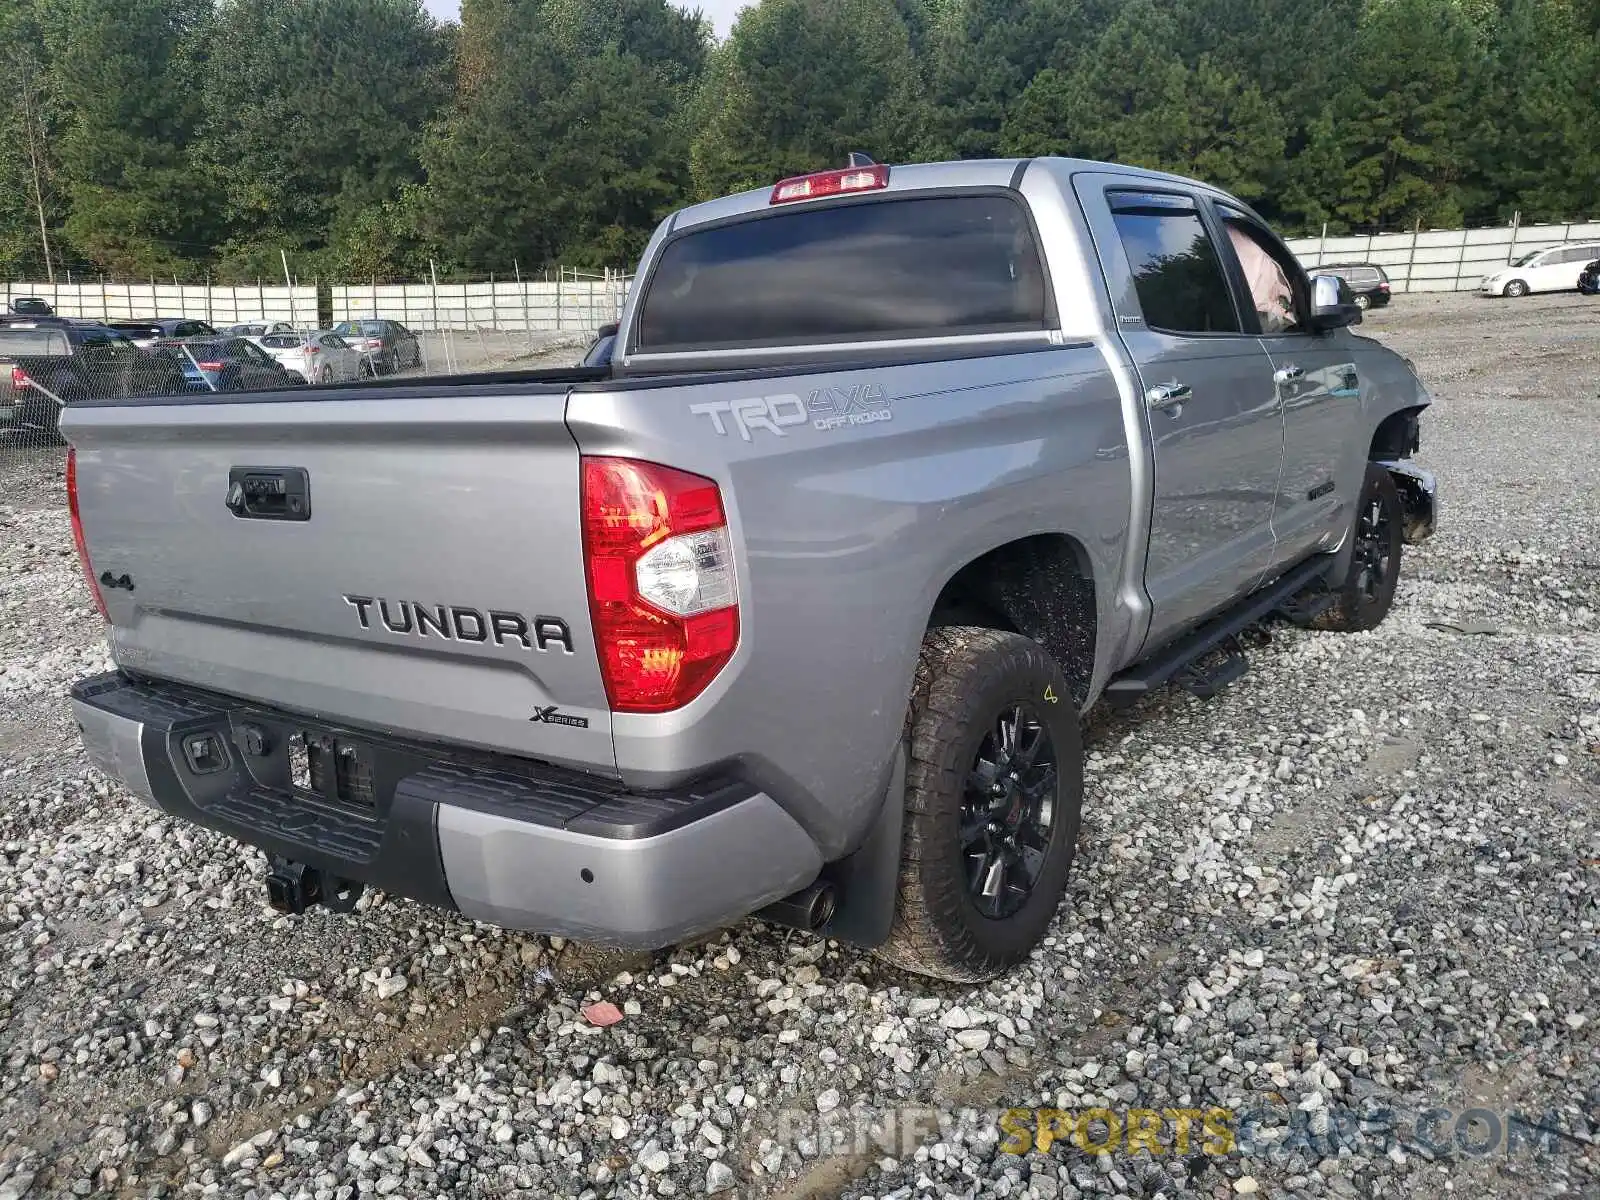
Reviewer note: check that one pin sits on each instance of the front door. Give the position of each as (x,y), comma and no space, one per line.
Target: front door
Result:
(1212,413)
(1324,452)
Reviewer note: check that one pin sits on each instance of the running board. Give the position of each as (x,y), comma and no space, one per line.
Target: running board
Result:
(1180,661)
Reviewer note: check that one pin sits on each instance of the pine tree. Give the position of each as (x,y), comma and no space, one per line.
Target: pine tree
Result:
(126,73)
(800,84)
(311,113)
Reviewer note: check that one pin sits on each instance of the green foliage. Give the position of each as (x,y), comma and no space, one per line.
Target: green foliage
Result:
(1539,153)
(799,85)
(1404,121)
(126,73)
(311,109)
(194,137)
(570,142)
(30,206)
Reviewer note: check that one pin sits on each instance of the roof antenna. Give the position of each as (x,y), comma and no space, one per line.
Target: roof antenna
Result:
(858,159)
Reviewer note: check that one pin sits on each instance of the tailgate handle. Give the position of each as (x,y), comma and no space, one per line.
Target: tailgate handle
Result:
(269,493)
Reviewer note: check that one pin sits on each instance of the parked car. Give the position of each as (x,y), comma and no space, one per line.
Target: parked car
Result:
(320,357)
(1369,284)
(256,330)
(31,306)
(1553,269)
(46,362)
(813,583)
(147,332)
(226,365)
(1589,279)
(391,346)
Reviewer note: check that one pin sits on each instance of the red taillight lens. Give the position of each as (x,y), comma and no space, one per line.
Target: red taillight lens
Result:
(662,592)
(77,532)
(312,349)
(831,183)
(19,379)
(209,366)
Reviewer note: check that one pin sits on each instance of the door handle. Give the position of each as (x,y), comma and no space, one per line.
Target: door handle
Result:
(1165,395)
(1288,374)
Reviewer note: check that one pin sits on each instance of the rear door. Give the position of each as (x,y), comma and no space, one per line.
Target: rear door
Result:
(1544,273)
(1573,260)
(1318,387)
(1213,415)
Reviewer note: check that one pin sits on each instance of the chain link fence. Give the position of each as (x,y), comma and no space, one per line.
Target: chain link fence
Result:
(104,342)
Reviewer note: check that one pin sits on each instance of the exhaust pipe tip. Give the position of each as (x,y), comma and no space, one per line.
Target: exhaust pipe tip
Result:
(809,909)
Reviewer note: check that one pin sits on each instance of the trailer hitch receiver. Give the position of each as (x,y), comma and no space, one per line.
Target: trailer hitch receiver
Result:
(293,887)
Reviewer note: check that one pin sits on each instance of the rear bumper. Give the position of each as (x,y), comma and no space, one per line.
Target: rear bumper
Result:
(502,840)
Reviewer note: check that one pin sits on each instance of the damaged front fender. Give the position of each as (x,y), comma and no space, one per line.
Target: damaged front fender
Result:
(1419,498)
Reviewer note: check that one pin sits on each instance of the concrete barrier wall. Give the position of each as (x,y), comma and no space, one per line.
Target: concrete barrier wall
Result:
(1441,260)
(215,305)
(573,305)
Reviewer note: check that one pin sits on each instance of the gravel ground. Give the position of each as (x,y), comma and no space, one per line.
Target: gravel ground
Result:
(1363,880)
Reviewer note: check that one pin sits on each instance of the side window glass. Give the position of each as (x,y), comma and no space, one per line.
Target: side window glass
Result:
(1276,291)
(1176,271)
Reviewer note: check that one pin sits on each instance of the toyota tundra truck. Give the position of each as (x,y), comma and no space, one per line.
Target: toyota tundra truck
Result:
(790,600)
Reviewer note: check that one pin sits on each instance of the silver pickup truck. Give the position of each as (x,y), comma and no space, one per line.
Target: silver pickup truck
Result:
(790,602)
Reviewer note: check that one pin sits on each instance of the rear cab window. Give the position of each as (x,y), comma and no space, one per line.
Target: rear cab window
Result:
(896,266)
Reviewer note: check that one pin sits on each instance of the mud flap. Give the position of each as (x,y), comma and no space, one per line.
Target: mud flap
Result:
(866,882)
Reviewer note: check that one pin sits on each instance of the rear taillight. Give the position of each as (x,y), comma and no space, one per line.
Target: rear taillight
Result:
(19,379)
(77,532)
(311,349)
(662,592)
(209,366)
(831,183)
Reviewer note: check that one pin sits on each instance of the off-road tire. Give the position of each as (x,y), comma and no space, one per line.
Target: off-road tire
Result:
(966,677)
(1354,610)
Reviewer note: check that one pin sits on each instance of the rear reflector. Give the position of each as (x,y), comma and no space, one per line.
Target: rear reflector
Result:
(662,593)
(831,183)
(77,532)
(209,366)
(19,379)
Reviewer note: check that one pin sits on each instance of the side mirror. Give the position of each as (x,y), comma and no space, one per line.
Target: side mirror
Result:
(1333,304)
(599,352)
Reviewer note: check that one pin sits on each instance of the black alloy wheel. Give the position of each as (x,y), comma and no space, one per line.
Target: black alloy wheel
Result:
(1008,811)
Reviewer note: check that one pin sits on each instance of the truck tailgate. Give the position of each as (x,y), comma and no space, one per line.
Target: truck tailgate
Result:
(430,581)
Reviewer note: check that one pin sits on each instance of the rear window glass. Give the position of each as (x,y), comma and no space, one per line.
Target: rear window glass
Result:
(879,269)
(360,328)
(281,341)
(32,341)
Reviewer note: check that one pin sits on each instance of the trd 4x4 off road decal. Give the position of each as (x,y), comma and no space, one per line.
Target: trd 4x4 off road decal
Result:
(826,408)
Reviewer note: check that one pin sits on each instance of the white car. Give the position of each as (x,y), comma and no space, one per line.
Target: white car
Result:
(1553,269)
(320,357)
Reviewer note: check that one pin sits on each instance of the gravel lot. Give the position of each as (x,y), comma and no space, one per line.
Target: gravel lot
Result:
(1364,879)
